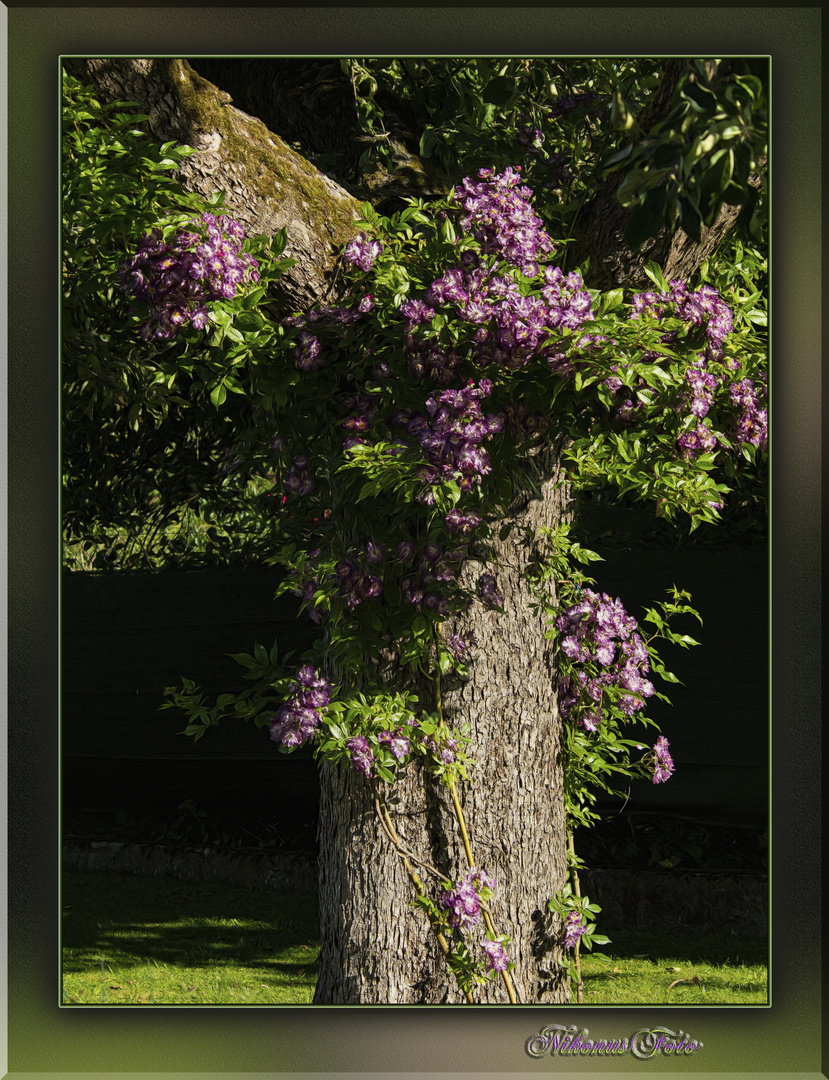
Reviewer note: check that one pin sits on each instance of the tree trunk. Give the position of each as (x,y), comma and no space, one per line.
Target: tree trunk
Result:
(376,948)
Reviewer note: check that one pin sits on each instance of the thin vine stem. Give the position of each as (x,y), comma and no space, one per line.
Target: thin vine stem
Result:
(462,825)
(406,858)
(574,875)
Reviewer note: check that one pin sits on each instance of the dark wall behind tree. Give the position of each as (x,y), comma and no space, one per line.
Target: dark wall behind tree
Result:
(128,636)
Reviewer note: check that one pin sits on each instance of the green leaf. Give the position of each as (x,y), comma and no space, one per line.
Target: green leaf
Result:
(612,300)
(499,90)
(385,774)
(654,272)
(428,142)
(648,218)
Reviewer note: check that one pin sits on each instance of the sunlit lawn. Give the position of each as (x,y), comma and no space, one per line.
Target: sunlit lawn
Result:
(130,940)
(149,941)
(679,970)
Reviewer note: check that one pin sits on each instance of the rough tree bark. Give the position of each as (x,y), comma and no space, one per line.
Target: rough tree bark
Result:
(310,104)
(375,947)
(513,810)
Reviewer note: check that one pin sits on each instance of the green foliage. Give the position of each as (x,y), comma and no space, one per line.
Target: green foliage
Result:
(700,156)
(566,901)
(572,122)
(149,428)
(605,759)
(265,668)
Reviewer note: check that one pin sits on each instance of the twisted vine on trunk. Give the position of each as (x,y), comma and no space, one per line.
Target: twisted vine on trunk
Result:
(510,703)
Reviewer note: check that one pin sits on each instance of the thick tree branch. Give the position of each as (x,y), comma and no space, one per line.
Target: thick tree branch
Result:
(310,104)
(267,184)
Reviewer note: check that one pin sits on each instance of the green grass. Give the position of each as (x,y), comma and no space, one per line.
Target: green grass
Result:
(639,969)
(130,940)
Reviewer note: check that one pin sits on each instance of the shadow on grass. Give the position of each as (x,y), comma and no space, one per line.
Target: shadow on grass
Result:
(123,918)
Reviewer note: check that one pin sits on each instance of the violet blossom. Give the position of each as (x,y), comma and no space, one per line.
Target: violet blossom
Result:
(361,754)
(663,762)
(361,252)
(497,959)
(573,930)
(179,276)
(297,720)
(464,901)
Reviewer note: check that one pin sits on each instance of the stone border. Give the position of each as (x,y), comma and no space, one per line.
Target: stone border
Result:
(717,902)
(288,872)
(725,903)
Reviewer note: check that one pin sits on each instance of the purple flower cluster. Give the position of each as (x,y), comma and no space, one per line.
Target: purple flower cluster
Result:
(597,632)
(178,277)
(298,481)
(434,566)
(327,316)
(464,901)
(751,422)
(462,522)
(573,930)
(361,754)
(507,327)
(488,591)
(444,750)
(516,327)
(451,433)
(460,647)
(398,743)
(357,583)
(361,252)
(308,352)
(297,720)
(703,385)
(704,308)
(463,904)
(699,441)
(498,213)
(663,765)
(496,958)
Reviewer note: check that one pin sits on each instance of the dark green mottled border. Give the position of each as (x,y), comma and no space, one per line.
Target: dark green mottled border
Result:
(45,1039)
